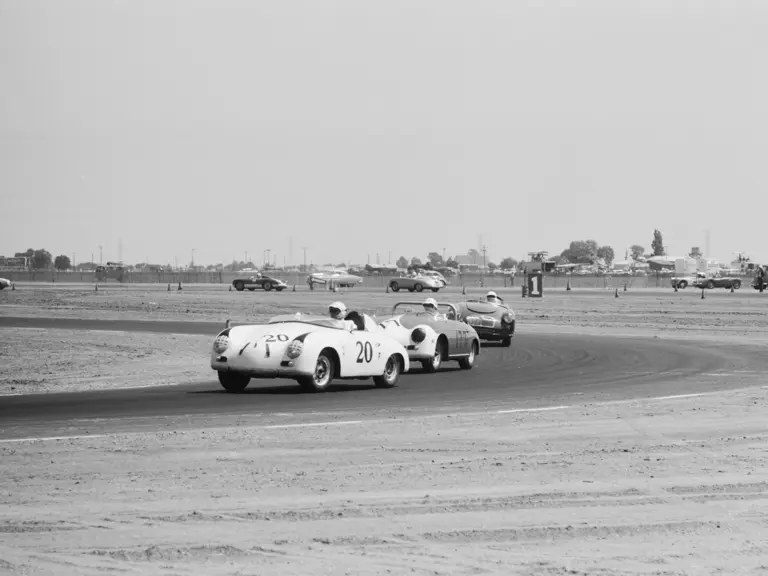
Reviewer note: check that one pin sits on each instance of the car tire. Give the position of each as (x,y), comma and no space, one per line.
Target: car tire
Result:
(682,285)
(710,284)
(325,368)
(391,373)
(251,289)
(233,382)
(433,365)
(394,286)
(435,289)
(469,362)
(239,286)
(737,285)
(418,287)
(267,286)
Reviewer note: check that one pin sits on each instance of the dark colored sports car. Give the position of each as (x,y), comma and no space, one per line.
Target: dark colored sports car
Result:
(718,282)
(261,282)
(494,322)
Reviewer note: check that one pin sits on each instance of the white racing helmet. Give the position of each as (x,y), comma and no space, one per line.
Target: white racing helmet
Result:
(337,310)
(492,296)
(430,303)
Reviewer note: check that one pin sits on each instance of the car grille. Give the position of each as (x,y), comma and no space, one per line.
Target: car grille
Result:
(483,321)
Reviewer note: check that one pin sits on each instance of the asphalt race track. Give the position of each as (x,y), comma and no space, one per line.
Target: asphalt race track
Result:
(538,370)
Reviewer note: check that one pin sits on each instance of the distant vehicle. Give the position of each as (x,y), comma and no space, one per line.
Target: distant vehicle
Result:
(493,322)
(436,275)
(261,282)
(417,283)
(313,350)
(718,282)
(430,340)
(339,277)
(4,283)
(682,282)
(756,283)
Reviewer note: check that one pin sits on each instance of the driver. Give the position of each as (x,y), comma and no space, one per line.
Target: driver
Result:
(430,307)
(492,297)
(338,311)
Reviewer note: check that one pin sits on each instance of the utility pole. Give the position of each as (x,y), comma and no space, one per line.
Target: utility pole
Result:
(485,264)
(101,257)
(193,258)
(305,257)
(389,260)
(73,261)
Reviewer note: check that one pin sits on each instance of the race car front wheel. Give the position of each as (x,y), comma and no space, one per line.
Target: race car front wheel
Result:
(233,382)
(433,365)
(322,376)
(391,373)
(468,362)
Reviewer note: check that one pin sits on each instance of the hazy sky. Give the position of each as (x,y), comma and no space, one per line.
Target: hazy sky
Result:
(363,126)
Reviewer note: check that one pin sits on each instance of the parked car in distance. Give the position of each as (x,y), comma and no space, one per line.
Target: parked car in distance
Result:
(260,281)
(417,283)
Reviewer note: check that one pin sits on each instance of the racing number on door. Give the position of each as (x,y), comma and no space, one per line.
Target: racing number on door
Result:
(365,352)
(277,338)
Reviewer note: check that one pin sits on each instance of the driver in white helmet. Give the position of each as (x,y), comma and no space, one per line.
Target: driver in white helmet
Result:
(338,311)
(430,307)
(492,297)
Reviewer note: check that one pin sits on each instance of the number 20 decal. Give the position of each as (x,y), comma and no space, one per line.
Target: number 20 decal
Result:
(365,352)
(277,338)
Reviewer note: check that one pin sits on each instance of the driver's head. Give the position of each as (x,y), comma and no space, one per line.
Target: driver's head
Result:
(337,310)
(430,306)
(491,296)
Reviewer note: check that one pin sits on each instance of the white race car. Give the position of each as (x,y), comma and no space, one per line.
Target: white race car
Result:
(4,283)
(432,340)
(310,349)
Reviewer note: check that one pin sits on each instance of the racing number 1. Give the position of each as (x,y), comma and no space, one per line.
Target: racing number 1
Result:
(365,352)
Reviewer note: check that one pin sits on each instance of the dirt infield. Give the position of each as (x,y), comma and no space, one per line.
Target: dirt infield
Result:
(654,487)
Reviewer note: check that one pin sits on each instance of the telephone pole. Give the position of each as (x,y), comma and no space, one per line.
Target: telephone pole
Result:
(485,264)
(101,257)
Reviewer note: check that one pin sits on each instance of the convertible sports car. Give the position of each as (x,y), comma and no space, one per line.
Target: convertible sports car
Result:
(417,283)
(310,349)
(4,283)
(340,278)
(718,282)
(431,340)
(264,282)
(493,322)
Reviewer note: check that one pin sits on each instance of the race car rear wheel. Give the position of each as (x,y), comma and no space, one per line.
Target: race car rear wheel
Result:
(435,289)
(267,286)
(468,362)
(434,364)
(737,285)
(324,371)
(418,287)
(239,286)
(391,373)
(683,285)
(233,382)
(394,286)
(710,284)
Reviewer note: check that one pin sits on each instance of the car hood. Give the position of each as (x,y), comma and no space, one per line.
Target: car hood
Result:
(484,308)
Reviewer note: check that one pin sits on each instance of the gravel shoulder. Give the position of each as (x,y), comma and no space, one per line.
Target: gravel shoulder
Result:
(655,487)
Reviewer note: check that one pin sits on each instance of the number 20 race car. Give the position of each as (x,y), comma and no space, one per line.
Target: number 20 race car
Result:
(310,349)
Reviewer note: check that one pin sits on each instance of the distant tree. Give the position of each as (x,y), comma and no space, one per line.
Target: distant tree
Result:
(606,253)
(508,263)
(658,244)
(402,262)
(581,252)
(636,251)
(342,265)
(696,253)
(451,263)
(492,265)
(474,254)
(62,262)
(435,259)
(428,265)
(39,259)
(415,261)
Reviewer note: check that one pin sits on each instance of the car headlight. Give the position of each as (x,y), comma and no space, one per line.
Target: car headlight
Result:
(507,318)
(418,335)
(221,344)
(295,349)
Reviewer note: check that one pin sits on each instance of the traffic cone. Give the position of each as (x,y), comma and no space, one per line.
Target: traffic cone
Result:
(179,288)
(169,286)
(675,287)
(702,293)
(294,288)
(226,325)
(568,285)
(625,286)
(616,293)
(230,287)
(96,288)
(13,286)
(732,290)
(387,288)
(463,290)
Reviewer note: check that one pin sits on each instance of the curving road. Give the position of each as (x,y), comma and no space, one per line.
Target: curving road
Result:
(538,370)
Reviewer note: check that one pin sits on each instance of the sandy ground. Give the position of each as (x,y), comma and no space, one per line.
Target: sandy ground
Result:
(677,486)
(658,487)
(36,361)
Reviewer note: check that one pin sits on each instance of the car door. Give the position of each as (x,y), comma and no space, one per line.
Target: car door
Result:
(364,354)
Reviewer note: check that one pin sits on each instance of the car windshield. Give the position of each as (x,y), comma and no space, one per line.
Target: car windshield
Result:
(314,321)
